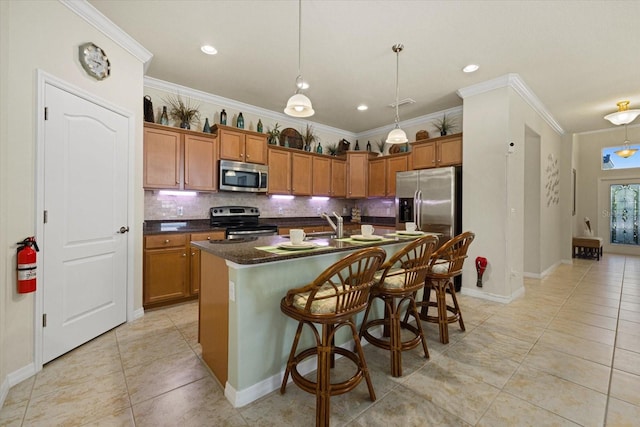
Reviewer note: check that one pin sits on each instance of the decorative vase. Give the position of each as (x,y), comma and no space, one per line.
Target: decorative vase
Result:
(259,127)
(443,132)
(307,147)
(207,127)
(185,124)
(223,117)
(319,149)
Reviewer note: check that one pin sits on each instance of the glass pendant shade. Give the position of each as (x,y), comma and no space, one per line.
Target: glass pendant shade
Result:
(626,150)
(299,106)
(623,116)
(397,136)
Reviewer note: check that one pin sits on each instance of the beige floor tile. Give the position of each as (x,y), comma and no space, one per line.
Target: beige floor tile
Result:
(593,333)
(152,323)
(632,316)
(182,314)
(513,328)
(630,306)
(628,341)
(177,370)
(20,392)
(509,411)
(569,400)
(12,414)
(401,408)
(631,290)
(142,351)
(592,308)
(627,361)
(79,404)
(625,386)
(457,393)
(635,299)
(121,418)
(571,368)
(488,339)
(588,318)
(587,349)
(592,299)
(294,408)
(622,414)
(201,403)
(630,328)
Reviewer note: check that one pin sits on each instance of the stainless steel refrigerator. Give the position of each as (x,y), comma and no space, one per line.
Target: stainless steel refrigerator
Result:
(432,198)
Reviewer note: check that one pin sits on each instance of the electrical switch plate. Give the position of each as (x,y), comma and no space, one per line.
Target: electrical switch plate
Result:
(232,291)
(180,210)
(280,210)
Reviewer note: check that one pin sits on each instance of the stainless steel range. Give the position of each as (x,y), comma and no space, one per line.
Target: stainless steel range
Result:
(240,222)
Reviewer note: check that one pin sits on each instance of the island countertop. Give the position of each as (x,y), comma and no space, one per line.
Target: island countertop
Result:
(245,251)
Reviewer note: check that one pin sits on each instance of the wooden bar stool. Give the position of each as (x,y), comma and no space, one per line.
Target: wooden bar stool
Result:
(403,275)
(446,263)
(331,300)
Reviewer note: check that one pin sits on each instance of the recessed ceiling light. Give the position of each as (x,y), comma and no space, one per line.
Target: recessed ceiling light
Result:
(471,68)
(208,49)
(362,107)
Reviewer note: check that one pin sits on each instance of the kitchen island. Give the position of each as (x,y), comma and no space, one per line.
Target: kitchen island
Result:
(245,337)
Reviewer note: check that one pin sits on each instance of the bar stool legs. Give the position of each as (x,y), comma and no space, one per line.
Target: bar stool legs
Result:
(446,313)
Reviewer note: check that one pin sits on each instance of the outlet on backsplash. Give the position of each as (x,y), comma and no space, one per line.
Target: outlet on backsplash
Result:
(280,210)
(180,211)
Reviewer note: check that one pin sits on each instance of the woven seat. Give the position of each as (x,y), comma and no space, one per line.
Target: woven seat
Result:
(402,277)
(446,263)
(331,300)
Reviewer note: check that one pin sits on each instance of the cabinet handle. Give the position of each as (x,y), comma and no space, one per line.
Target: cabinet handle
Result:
(184,255)
(241,155)
(193,254)
(208,237)
(166,241)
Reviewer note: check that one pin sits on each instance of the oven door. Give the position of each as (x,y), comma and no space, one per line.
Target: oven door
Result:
(242,233)
(244,177)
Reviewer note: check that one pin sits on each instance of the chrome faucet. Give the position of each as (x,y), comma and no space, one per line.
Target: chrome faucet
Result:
(337,228)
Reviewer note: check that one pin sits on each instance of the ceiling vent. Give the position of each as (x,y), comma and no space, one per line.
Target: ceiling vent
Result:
(403,102)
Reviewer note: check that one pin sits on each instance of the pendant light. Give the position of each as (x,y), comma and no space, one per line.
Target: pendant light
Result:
(397,135)
(623,116)
(626,150)
(299,105)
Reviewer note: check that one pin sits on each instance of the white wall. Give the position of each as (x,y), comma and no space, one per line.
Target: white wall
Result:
(592,198)
(46,36)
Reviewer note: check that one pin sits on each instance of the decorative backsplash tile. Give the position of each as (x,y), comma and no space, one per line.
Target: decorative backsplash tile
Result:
(159,207)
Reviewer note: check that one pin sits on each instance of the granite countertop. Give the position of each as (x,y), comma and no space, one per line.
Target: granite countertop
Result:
(197,225)
(246,252)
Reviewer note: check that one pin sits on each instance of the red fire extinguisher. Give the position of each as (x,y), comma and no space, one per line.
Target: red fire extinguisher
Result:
(27,265)
(481,266)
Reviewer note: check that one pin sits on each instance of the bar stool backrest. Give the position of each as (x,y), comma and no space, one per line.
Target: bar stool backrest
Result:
(409,266)
(449,259)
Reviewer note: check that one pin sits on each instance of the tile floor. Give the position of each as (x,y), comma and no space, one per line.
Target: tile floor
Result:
(566,354)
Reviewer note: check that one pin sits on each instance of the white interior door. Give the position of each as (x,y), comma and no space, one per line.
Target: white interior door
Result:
(85,196)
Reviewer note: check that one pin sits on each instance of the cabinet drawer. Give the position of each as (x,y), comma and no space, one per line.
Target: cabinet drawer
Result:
(165,241)
(209,235)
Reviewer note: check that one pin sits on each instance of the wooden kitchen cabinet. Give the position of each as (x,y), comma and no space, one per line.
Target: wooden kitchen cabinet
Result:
(279,171)
(321,180)
(338,178)
(241,145)
(162,160)
(194,268)
(357,171)
(437,152)
(301,176)
(179,159)
(166,270)
(382,174)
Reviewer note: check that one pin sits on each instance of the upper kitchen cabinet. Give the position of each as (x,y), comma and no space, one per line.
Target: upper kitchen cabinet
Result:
(357,170)
(338,178)
(162,158)
(382,174)
(437,152)
(279,171)
(241,145)
(179,159)
(321,167)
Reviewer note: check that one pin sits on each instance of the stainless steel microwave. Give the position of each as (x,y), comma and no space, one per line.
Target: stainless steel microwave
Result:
(246,177)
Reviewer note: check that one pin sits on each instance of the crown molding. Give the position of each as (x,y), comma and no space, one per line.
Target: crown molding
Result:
(103,24)
(455,111)
(515,82)
(157,84)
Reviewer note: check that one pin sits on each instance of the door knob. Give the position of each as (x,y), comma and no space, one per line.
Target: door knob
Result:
(123,230)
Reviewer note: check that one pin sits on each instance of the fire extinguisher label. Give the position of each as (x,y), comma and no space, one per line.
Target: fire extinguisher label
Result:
(27,266)
(27,274)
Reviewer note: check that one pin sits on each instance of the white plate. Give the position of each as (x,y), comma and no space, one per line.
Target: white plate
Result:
(290,246)
(410,233)
(366,238)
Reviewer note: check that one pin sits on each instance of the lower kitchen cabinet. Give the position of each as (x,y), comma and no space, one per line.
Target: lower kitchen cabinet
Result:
(172,267)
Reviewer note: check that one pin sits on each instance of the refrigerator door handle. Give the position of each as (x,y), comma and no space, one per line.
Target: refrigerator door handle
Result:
(415,207)
(419,221)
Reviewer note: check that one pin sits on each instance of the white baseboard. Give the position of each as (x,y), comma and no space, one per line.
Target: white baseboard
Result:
(492,297)
(4,390)
(138,313)
(239,398)
(16,377)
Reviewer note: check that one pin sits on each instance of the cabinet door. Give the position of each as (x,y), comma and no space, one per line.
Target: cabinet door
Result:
(279,172)
(338,178)
(301,174)
(377,177)
(357,169)
(162,159)
(450,152)
(255,149)
(194,285)
(424,155)
(231,145)
(208,235)
(395,164)
(165,275)
(321,167)
(200,163)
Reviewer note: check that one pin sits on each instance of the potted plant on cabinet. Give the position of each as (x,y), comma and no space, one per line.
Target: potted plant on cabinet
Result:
(309,137)
(333,149)
(445,125)
(183,111)
(381,145)
(273,135)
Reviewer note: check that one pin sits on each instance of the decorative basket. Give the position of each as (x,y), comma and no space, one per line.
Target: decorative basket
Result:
(422,134)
